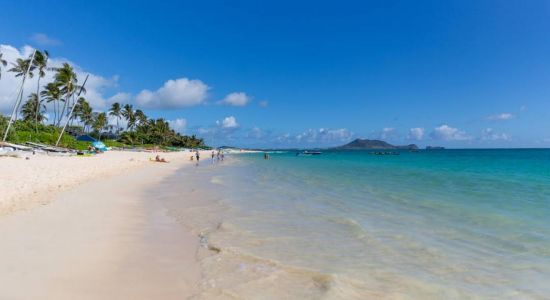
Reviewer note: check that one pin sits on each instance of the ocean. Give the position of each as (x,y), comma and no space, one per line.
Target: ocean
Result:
(440,224)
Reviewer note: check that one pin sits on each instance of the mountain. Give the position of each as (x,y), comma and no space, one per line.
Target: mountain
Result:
(360,144)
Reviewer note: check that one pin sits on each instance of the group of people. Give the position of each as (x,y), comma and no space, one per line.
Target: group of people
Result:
(216,156)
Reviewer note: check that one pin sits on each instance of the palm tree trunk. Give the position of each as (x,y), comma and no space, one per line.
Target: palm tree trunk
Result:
(38,102)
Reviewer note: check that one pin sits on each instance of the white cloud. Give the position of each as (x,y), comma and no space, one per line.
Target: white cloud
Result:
(501,117)
(447,133)
(121,98)
(324,135)
(236,99)
(386,132)
(416,133)
(43,40)
(177,93)
(488,134)
(263,103)
(228,123)
(178,124)
(96,85)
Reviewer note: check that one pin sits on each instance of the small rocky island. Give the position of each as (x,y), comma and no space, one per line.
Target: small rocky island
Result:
(361,144)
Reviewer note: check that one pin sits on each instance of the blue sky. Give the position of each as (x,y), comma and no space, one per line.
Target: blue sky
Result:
(310,73)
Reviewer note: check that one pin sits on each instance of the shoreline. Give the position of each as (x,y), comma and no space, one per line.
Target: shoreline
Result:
(99,237)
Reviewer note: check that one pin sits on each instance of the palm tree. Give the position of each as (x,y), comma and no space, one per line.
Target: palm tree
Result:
(52,93)
(3,63)
(40,62)
(67,79)
(20,68)
(129,115)
(140,116)
(83,111)
(33,109)
(116,112)
(100,122)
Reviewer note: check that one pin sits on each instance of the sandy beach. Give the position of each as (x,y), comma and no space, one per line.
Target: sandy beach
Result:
(81,228)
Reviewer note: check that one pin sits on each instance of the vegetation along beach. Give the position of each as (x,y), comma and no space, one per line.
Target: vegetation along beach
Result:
(274,150)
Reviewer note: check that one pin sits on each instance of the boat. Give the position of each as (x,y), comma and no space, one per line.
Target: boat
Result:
(307,152)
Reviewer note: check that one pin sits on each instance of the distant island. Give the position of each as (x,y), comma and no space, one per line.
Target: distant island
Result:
(360,144)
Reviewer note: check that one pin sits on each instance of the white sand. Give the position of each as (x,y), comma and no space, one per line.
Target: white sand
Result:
(28,183)
(100,238)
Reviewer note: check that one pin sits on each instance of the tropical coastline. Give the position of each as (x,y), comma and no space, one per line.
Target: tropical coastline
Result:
(270,150)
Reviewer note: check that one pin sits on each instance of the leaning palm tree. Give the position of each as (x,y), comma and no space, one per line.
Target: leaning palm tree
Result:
(67,79)
(129,115)
(20,68)
(40,62)
(52,93)
(33,109)
(3,63)
(116,111)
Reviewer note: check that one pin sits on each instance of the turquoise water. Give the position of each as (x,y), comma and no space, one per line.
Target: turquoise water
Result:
(451,224)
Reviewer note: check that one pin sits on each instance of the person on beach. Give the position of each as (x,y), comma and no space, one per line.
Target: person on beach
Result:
(160,159)
(213,155)
(197,156)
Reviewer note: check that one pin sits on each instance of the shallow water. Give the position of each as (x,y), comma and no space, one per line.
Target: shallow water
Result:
(452,224)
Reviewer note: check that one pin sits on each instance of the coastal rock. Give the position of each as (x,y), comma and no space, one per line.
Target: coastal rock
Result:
(360,144)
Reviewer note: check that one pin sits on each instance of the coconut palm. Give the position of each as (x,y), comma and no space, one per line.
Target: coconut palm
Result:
(52,93)
(40,62)
(3,63)
(129,115)
(83,111)
(100,122)
(116,111)
(33,109)
(67,79)
(21,66)
(140,116)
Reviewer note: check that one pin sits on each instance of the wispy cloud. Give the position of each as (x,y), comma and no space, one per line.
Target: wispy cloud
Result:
(236,99)
(263,103)
(41,39)
(488,134)
(501,117)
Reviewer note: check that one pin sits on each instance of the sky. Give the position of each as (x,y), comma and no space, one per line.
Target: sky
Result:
(461,74)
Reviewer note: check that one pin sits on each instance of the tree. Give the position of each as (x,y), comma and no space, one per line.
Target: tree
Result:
(83,111)
(116,111)
(40,62)
(3,63)
(20,68)
(129,115)
(68,83)
(33,109)
(52,93)
(100,122)
(140,116)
